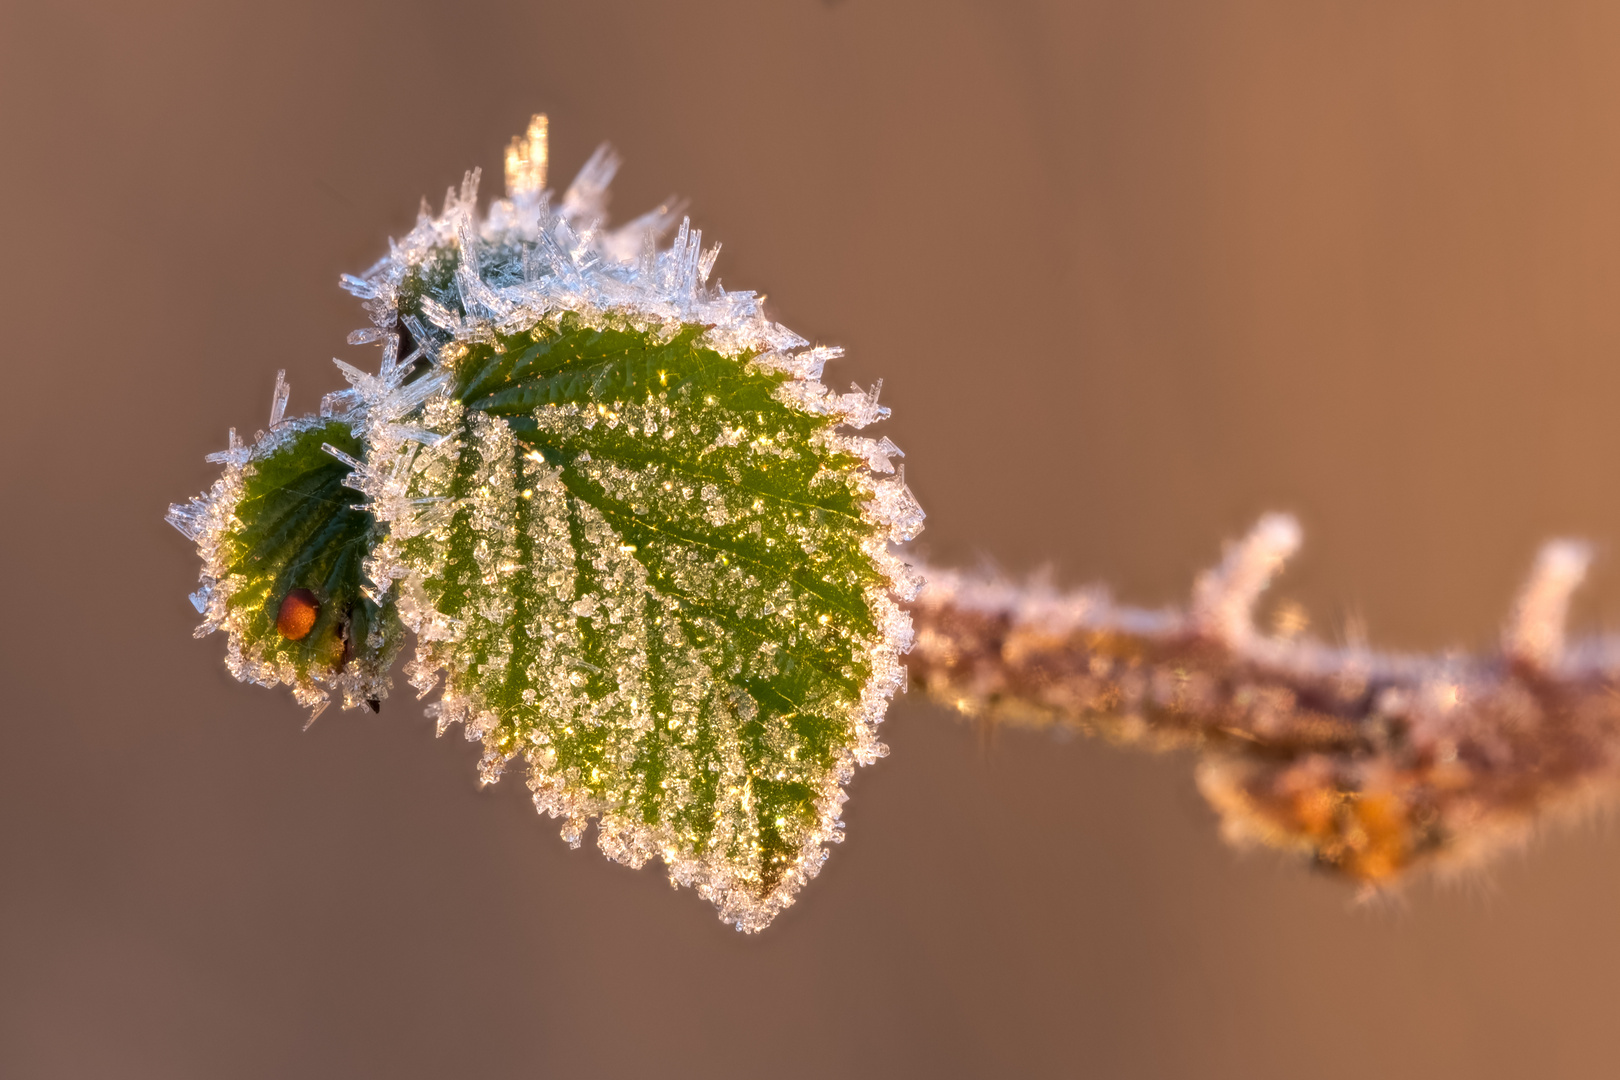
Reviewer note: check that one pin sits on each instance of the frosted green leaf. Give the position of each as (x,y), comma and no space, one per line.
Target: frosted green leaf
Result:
(652,579)
(638,547)
(286,522)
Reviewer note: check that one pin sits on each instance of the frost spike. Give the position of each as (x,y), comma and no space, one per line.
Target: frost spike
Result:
(278,400)
(1535,634)
(527,159)
(1224,598)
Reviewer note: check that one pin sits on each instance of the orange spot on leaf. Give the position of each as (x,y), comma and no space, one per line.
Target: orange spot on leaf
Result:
(296,619)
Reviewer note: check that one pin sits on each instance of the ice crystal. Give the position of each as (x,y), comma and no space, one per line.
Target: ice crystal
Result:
(633,534)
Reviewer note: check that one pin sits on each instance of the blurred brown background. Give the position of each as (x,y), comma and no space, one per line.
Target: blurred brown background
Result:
(1133,273)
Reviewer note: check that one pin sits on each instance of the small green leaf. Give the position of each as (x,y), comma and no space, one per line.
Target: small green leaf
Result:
(292,525)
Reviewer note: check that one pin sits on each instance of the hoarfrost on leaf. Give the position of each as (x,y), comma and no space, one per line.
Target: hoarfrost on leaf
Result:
(641,555)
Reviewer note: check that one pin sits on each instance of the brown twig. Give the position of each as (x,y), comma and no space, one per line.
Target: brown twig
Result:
(1372,763)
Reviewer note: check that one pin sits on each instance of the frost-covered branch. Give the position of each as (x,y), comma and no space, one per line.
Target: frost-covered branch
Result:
(1372,763)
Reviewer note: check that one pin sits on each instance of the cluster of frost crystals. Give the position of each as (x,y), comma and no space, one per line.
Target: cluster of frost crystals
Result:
(207,520)
(497,567)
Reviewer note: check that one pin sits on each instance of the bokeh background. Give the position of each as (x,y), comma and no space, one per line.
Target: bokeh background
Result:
(1133,273)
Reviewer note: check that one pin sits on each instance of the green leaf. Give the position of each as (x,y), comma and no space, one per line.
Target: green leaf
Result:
(293,526)
(651,575)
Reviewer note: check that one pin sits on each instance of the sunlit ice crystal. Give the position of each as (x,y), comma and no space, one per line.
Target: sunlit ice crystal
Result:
(644,559)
